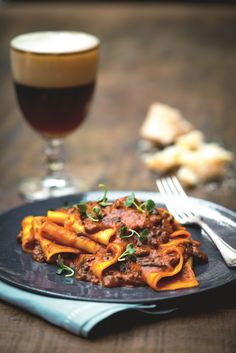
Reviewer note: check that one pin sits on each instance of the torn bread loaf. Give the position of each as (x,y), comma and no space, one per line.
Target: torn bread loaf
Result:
(192,140)
(195,165)
(204,164)
(164,124)
(183,150)
(166,159)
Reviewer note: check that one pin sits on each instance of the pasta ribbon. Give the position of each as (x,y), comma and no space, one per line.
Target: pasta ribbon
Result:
(50,249)
(153,275)
(182,233)
(27,234)
(179,237)
(57,217)
(63,236)
(99,266)
(37,225)
(184,279)
(73,223)
(103,236)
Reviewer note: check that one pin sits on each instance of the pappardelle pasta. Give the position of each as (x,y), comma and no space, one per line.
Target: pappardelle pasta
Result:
(126,242)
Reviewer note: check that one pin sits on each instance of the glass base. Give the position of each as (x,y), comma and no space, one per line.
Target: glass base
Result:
(33,189)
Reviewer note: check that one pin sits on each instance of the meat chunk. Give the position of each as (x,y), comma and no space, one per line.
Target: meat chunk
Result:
(192,249)
(118,279)
(199,254)
(158,260)
(130,217)
(84,272)
(37,253)
(92,227)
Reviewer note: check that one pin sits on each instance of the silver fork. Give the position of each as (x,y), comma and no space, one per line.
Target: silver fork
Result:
(178,203)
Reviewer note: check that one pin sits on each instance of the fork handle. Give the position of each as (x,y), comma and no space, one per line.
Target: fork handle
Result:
(227,252)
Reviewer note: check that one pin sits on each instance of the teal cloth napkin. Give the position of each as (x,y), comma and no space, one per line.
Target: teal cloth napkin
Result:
(76,316)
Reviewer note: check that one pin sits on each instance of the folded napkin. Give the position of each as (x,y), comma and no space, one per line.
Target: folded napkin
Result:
(76,316)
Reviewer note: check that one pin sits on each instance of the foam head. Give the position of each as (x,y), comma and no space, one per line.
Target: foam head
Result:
(54,59)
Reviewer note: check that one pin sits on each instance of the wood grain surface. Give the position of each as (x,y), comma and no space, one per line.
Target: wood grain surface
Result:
(181,55)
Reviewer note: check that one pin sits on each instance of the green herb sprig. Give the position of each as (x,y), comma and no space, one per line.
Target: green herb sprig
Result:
(96,214)
(103,200)
(142,236)
(128,253)
(82,207)
(147,206)
(63,268)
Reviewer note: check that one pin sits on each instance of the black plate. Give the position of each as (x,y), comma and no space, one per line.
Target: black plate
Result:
(18,268)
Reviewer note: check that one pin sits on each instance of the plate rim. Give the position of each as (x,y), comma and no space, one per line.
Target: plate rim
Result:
(206,202)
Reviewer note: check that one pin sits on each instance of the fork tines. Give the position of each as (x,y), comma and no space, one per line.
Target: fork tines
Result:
(175,198)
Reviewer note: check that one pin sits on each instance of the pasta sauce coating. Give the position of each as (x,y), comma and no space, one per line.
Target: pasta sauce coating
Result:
(126,242)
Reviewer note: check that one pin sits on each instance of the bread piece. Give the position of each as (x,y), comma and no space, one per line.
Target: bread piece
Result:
(193,140)
(205,164)
(187,176)
(165,160)
(164,124)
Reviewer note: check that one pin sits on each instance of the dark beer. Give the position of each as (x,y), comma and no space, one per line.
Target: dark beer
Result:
(54,111)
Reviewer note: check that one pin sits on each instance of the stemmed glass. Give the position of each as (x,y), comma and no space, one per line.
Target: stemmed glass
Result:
(54,76)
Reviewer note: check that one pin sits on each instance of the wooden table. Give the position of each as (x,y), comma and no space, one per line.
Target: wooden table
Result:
(180,55)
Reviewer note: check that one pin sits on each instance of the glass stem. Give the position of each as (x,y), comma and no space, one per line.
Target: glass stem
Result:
(54,157)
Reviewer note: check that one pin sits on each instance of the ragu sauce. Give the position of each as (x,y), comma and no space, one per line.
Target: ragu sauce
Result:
(54,75)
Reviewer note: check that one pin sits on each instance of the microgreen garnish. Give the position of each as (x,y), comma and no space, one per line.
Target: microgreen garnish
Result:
(103,200)
(82,207)
(128,253)
(92,218)
(130,201)
(148,205)
(97,210)
(124,232)
(63,268)
(96,216)
(143,235)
